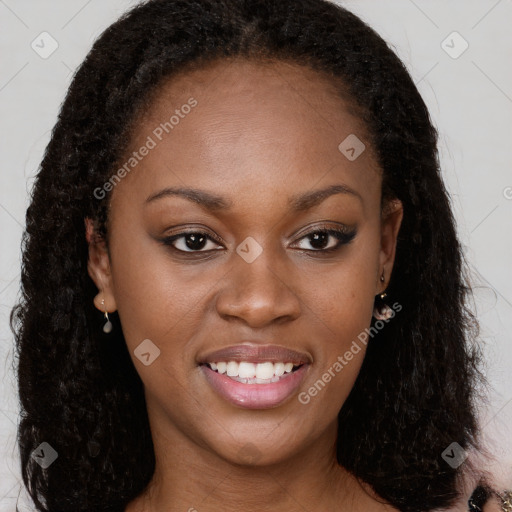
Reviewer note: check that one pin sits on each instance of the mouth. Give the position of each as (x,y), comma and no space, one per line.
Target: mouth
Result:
(255,376)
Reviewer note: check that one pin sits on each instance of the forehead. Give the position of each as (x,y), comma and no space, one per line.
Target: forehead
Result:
(274,91)
(238,126)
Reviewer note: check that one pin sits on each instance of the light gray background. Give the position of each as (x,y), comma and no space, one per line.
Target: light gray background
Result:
(469,97)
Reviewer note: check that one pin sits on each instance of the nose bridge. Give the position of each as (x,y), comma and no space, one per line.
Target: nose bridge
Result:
(256,289)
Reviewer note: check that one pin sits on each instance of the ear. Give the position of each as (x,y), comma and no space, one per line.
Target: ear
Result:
(98,267)
(390,225)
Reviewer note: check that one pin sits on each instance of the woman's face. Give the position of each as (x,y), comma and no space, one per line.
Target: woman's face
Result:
(257,148)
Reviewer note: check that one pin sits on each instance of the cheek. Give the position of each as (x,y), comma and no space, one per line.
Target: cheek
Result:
(340,312)
(156,299)
(161,302)
(343,296)
(341,323)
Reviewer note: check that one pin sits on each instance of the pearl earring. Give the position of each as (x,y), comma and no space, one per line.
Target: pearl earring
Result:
(108,324)
(382,311)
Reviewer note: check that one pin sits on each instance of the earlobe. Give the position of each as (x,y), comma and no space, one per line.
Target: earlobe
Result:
(98,267)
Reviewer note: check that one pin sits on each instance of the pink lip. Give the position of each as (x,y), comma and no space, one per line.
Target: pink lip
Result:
(255,396)
(256,353)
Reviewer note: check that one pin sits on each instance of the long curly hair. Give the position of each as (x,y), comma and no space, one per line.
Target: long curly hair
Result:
(415,393)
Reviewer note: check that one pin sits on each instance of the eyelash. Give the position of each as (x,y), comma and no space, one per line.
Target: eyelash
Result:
(343,235)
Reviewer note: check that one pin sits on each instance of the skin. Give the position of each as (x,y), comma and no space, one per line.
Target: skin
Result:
(259,134)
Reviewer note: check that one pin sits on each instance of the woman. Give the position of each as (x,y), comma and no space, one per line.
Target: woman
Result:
(318,355)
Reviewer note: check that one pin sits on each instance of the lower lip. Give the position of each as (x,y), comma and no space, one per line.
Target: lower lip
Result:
(255,396)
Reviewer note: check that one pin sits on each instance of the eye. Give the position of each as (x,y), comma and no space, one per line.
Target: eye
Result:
(191,241)
(327,240)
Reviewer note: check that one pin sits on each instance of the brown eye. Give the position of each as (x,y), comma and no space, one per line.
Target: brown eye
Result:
(328,240)
(191,241)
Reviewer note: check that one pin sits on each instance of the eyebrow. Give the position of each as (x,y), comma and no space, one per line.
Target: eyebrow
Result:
(306,201)
(212,202)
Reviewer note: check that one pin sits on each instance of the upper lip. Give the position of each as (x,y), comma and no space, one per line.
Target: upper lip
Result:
(253,353)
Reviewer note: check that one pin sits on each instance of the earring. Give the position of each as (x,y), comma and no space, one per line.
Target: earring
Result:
(108,324)
(382,311)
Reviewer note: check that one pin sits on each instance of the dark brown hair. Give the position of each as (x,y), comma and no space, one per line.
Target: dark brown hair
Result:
(414,394)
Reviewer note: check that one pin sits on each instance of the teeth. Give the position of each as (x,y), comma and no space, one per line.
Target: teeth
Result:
(232,369)
(246,370)
(264,370)
(255,372)
(278,369)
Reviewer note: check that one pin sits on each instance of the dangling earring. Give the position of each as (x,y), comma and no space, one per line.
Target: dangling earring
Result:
(108,324)
(382,311)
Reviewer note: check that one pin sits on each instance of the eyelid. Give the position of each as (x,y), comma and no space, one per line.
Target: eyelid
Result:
(326,226)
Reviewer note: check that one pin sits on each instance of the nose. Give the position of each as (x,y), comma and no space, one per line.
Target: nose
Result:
(258,293)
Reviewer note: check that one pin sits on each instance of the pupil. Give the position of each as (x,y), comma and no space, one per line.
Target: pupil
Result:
(197,241)
(320,236)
